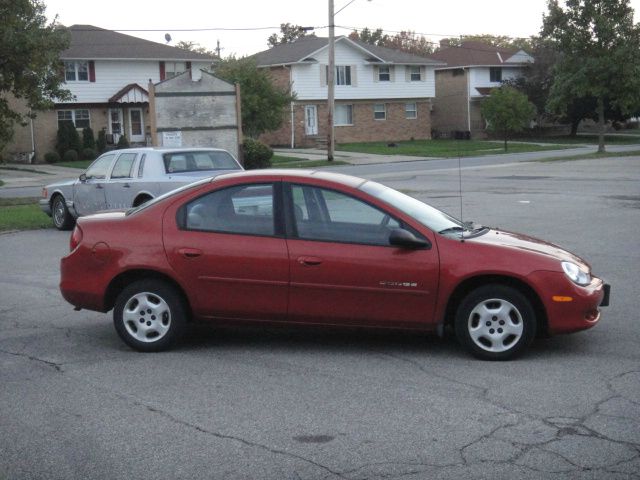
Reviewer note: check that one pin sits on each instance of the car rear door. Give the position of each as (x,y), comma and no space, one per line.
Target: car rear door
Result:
(89,193)
(227,246)
(343,269)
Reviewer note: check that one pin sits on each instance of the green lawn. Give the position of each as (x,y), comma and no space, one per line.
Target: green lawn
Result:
(22,214)
(625,139)
(279,161)
(442,148)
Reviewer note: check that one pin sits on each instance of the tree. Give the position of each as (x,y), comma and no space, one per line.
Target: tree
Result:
(194,47)
(289,34)
(30,69)
(599,56)
(499,41)
(263,103)
(405,41)
(507,111)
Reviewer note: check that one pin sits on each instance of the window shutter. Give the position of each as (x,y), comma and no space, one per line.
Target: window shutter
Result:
(323,75)
(162,71)
(354,76)
(423,74)
(376,73)
(392,73)
(407,73)
(92,71)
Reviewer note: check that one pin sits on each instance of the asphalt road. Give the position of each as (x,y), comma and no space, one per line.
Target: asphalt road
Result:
(76,403)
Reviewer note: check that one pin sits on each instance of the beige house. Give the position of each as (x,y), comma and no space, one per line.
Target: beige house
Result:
(472,70)
(380,94)
(108,74)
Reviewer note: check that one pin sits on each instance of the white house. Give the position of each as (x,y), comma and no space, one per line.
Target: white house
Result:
(380,94)
(472,70)
(108,73)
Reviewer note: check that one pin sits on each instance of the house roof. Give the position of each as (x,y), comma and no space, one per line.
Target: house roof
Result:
(132,93)
(303,49)
(480,54)
(91,43)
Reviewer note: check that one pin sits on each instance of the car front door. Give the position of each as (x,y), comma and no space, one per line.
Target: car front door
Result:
(89,192)
(343,269)
(228,247)
(120,190)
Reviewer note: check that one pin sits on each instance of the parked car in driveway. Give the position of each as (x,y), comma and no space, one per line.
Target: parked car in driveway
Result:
(312,247)
(127,178)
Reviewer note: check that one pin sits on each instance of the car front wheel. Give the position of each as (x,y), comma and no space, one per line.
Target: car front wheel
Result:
(495,322)
(149,315)
(62,219)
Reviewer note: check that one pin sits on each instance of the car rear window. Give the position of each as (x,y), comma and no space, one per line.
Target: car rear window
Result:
(178,162)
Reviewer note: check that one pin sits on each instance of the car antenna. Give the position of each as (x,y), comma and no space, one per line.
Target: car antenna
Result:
(460,191)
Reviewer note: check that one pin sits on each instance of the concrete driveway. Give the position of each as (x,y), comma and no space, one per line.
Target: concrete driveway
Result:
(75,403)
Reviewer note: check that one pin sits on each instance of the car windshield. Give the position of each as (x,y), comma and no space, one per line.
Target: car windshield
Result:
(427,215)
(168,194)
(179,162)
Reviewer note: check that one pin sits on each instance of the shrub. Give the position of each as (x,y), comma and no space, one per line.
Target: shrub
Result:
(256,154)
(89,154)
(67,138)
(101,143)
(70,156)
(88,141)
(123,142)
(52,157)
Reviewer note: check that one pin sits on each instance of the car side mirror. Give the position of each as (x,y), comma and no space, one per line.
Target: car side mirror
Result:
(404,238)
(83,177)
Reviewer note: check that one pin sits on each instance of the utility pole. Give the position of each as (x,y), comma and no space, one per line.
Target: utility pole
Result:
(331,72)
(218,48)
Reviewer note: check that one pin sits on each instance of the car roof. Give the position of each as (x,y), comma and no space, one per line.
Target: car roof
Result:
(291,175)
(167,149)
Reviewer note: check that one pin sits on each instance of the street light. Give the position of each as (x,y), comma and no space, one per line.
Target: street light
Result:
(331,143)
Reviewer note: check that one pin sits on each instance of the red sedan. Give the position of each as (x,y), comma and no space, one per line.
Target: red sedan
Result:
(314,247)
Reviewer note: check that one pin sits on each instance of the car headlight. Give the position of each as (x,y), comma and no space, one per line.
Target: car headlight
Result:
(576,274)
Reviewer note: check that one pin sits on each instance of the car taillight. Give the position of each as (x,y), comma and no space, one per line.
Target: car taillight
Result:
(76,238)
(44,193)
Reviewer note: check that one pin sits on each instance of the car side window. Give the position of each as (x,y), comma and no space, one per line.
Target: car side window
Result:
(327,215)
(100,167)
(123,166)
(244,209)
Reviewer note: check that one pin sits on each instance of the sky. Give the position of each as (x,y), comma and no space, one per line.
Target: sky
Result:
(243,26)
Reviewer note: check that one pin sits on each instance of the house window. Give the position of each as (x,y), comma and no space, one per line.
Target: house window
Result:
(380,111)
(384,73)
(415,74)
(495,74)
(343,115)
(174,69)
(80,118)
(410,110)
(343,75)
(76,71)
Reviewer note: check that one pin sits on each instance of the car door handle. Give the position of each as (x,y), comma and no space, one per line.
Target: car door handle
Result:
(126,185)
(190,252)
(99,186)
(309,261)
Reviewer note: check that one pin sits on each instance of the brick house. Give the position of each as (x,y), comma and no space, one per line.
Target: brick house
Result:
(107,72)
(380,94)
(472,70)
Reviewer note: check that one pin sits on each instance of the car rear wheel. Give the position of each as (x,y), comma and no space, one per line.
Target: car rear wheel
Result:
(62,219)
(149,315)
(495,322)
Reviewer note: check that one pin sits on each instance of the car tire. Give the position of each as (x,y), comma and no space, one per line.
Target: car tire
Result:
(62,218)
(495,322)
(149,315)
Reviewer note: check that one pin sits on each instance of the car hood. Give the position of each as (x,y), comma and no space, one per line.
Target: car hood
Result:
(526,243)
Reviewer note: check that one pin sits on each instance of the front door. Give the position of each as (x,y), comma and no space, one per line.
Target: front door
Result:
(343,269)
(136,125)
(89,192)
(310,120)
